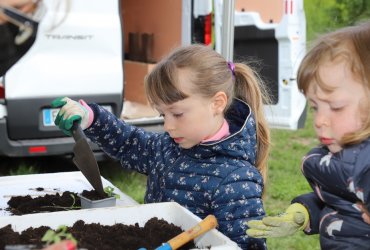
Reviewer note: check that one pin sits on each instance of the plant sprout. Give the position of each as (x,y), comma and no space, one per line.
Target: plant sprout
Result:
(73,206)
(51,236)
(109,191)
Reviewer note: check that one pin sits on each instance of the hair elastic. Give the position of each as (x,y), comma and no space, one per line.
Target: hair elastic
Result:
(231,66)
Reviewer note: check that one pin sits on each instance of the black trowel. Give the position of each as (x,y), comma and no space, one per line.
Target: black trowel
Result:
(85,160)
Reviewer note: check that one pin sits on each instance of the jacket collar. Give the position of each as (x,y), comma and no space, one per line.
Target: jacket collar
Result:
(241,143)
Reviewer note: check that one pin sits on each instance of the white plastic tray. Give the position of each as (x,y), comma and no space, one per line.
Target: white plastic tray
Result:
(172,212)
(55,182)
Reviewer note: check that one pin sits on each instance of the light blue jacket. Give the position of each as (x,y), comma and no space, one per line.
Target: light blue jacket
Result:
(216,178)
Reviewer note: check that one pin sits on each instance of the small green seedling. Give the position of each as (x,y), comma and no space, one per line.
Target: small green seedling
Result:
(74,206)
(109,191)
(51,236)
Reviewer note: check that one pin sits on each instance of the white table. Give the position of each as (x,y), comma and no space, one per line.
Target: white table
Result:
(21,185)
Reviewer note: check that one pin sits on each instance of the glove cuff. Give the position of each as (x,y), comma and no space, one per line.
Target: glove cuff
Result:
(91,113)
(299,208)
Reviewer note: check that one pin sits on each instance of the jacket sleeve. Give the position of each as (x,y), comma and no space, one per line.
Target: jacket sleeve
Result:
(236,200)
(359,183)
(130,145)
(313,163)
(314,206)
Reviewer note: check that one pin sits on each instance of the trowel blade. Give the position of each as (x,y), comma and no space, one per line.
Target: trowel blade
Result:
(86,162)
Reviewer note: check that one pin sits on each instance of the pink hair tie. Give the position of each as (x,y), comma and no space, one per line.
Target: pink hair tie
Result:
(231,66)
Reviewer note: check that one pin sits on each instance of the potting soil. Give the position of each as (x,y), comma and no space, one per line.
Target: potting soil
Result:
(102,237)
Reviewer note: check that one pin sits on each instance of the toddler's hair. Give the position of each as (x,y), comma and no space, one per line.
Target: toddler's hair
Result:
(210,74)
(351,44)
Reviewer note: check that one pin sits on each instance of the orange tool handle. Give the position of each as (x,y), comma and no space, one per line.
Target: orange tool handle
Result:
(205,225)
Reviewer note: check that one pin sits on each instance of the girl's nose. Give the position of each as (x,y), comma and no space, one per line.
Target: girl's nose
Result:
(321,119)
(167,125)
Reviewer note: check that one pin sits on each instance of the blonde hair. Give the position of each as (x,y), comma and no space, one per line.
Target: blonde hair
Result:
(351,44)
(211,74)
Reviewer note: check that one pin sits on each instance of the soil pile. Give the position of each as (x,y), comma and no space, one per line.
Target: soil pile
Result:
(20,205)
(101,237)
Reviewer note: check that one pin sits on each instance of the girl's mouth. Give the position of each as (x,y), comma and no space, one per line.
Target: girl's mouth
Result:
(178,139)
(326,141)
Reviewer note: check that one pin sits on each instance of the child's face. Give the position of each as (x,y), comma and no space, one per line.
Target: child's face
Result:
(193,119)
(338,112)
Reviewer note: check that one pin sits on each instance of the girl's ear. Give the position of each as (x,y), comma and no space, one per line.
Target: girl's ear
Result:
(219,102)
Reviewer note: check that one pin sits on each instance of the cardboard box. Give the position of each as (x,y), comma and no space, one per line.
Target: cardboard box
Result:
(163,18)
(134,81)
(172,212)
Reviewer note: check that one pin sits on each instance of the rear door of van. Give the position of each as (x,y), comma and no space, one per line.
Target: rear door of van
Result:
(77,53)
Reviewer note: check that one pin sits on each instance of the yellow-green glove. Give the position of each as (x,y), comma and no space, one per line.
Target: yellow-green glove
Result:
(295,218)
(71,111)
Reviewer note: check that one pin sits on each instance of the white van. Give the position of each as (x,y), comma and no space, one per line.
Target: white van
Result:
(77,53)
(273,33)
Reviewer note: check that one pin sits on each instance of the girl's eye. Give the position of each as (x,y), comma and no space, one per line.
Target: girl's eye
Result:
(161,115)
(178,115)
(336,108)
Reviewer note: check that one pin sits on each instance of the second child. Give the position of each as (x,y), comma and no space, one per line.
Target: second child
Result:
(335,78)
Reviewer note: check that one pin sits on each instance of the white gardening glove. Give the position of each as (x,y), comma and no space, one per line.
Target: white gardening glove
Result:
(295,218)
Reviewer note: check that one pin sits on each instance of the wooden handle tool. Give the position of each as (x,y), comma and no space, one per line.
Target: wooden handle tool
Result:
(202,227)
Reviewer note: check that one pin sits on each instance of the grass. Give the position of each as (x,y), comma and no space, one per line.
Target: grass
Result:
(129,182)
(285,180)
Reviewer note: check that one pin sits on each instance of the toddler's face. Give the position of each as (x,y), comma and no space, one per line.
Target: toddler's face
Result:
(336,112)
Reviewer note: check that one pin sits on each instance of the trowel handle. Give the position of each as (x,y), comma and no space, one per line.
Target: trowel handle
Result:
(205,225)
(77,131)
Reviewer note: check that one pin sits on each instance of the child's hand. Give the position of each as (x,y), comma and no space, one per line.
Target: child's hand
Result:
(295,218)
(71,111)
(365,213)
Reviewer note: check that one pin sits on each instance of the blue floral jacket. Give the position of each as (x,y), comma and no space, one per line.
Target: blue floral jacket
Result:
(216,178)
(339,181)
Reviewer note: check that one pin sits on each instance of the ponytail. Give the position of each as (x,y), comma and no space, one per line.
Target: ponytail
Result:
(249,88)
